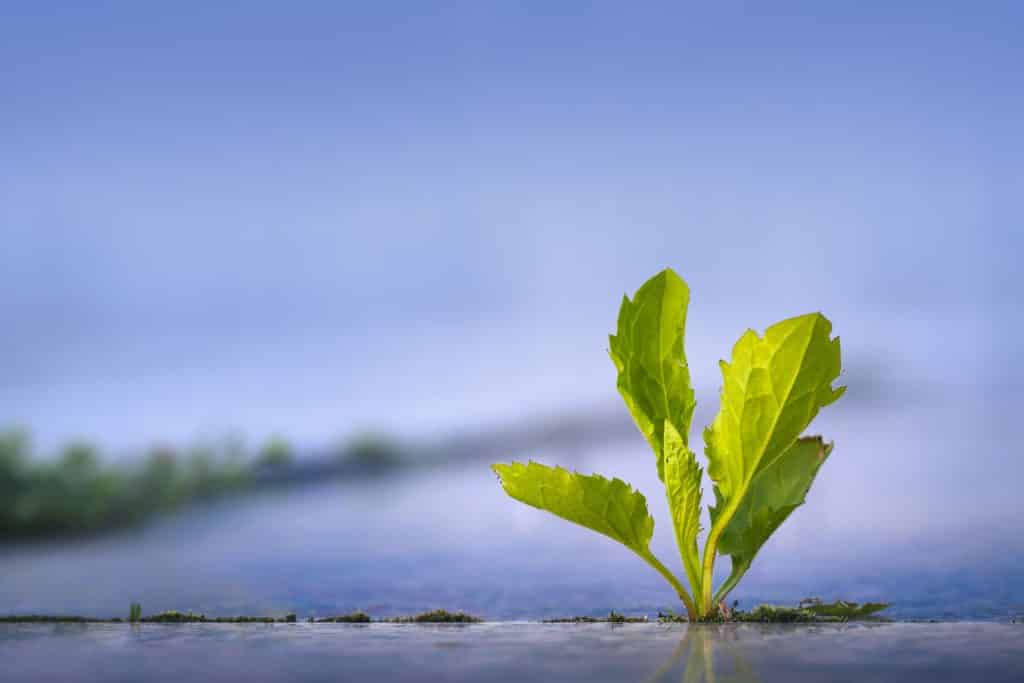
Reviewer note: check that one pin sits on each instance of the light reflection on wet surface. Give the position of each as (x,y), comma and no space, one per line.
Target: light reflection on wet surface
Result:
(514,651)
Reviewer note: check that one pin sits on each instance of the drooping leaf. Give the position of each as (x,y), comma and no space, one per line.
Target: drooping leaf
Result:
(682,486)
(648,352)
(774,494)
(608,506)
(771,391)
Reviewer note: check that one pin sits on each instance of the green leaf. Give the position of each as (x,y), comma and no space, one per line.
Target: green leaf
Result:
(774,494)
(682,486)
(771,391)
(608,506)
(647,349)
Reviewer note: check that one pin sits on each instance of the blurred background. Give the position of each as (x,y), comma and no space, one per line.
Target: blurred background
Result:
(280,280)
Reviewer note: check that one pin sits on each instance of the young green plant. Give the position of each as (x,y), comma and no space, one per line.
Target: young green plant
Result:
(759,464)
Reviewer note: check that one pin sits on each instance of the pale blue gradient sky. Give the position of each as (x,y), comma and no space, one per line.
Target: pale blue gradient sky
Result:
(315,217)
(307,217)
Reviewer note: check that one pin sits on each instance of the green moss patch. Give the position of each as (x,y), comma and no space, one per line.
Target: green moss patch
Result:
(437,616)
(358,617)
(175,617)
(49,619)
(810,610)
(612,618)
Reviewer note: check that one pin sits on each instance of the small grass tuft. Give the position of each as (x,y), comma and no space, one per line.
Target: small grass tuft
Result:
(174,617)
(437,616)
(357,617)
(842,609)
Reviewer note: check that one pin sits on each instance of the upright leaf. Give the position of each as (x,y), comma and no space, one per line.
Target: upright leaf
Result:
(682,485)
(774,494)
(771,391)
(647,349)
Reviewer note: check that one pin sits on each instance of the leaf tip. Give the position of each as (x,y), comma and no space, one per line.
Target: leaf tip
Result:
(504,470)
(669,273)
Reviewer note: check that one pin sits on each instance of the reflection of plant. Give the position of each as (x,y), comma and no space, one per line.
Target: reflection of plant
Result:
(699,644)
(760,465)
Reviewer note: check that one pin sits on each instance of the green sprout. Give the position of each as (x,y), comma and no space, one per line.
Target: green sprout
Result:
(759,464)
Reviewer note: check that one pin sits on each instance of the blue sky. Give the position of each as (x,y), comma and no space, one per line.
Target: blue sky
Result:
(311,218)
(272,217)
(281,216)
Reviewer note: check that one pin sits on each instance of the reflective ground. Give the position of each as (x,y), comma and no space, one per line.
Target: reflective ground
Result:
(514,652)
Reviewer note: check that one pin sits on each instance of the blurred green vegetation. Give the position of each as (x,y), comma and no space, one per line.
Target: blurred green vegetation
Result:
(371,449)
(276,453)
(78,492)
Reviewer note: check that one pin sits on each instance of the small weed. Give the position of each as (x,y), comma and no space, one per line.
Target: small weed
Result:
(760,465)
(612,618)
(357,617)
(437,616)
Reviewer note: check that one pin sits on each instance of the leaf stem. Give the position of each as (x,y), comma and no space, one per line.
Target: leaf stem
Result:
(729,584)
(691,610)
(693,574)
(711,547)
